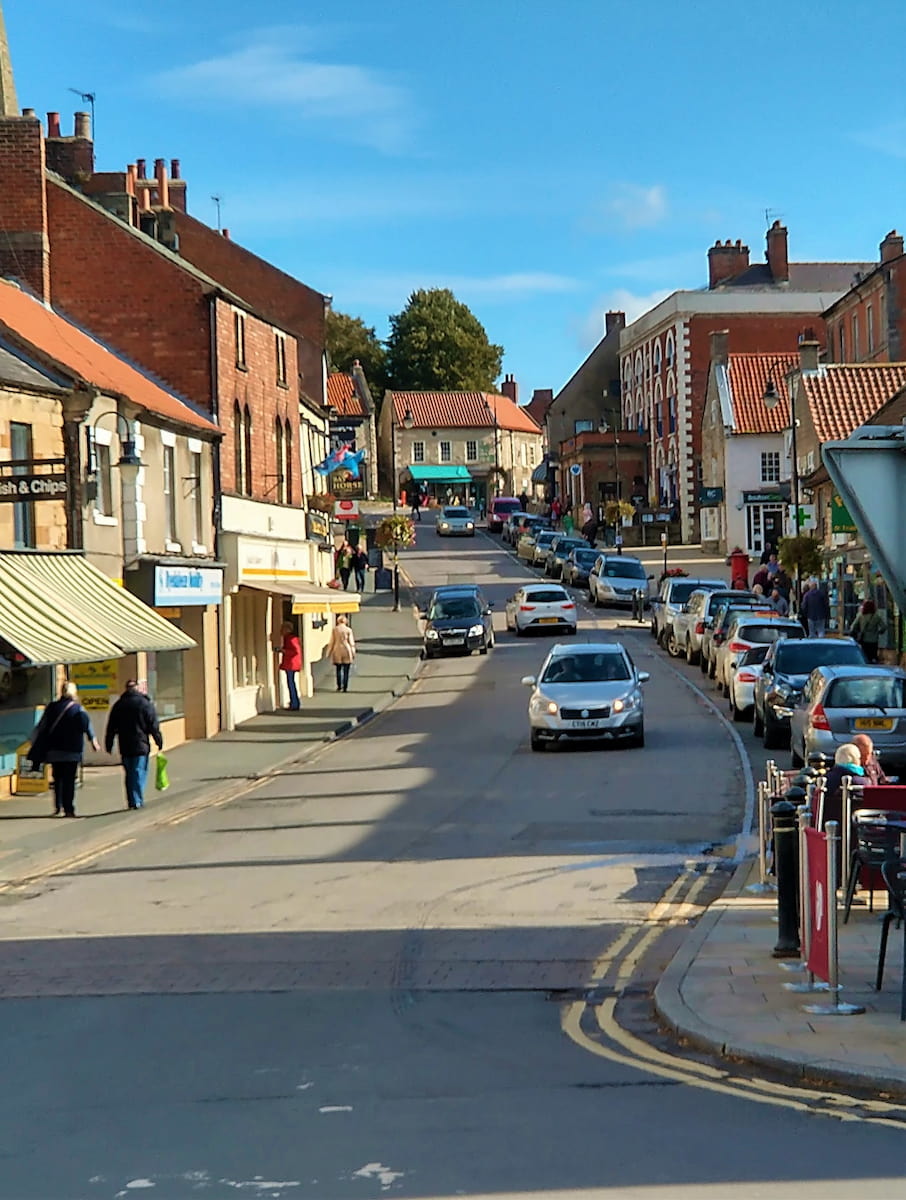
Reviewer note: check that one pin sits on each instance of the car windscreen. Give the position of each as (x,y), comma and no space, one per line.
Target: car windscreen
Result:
(768,632)
(504,506)
(454,606)
(793,659)
(680,592)
(546,596)
(753,657)
(544,538)
(623,570)
(870,691)
(586,558)
(566,544)
(587,668)
(729,615)
(456,512)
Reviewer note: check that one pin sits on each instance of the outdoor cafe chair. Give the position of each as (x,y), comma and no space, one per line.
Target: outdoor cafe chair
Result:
(876,839)
(895,881)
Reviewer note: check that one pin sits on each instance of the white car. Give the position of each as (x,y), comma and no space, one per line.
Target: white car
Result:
(743,680)
(746,631)
(455,521)
(544,606)
(584,692)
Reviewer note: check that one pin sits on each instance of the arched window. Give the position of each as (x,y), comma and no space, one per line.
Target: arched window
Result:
(638,368)
(247,452)
(657,358)
(670,350)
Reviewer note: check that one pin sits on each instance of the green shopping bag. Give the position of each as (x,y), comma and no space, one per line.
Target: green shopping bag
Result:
(161,778)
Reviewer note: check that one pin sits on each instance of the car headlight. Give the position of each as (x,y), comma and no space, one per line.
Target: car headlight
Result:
(541,706)
(626,703)
(443,525)
(432,634)
(476,631)
(469,525)
(781,691)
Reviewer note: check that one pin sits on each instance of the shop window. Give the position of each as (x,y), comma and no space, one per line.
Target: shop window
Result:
(770,466)
(446,452)
(165,682)
(21,454)
(471,451)
(418,452)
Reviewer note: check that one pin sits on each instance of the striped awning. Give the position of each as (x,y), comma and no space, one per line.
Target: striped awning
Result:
(322,600)
(55,607)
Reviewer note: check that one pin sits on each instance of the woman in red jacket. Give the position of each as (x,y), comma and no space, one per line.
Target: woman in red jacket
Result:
(290,661)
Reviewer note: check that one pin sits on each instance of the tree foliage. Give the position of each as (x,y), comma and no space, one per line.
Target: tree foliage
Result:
(437,344)
(348,339)
(800,555)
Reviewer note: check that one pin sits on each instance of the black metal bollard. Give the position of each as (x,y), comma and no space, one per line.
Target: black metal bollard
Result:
(786,870)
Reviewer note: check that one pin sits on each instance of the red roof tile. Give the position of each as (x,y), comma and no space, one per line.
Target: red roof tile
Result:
(749,374)
(30,322)
(433,410)
(843,396)
(342,395)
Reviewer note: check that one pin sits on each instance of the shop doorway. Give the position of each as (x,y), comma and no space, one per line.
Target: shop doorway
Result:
(764,524)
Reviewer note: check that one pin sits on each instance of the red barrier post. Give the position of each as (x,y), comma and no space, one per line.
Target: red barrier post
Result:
(823,957)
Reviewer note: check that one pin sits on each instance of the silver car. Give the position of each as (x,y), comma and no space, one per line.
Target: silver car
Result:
(544,540)
(675,592)
(839,702)
(587,692)
(455,521)
(690,623)
(615,578)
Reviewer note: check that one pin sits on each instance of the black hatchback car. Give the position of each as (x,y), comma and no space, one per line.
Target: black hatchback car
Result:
(787,666)
(458,623)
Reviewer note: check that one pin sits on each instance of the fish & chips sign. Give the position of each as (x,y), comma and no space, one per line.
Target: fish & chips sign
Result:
(20,488)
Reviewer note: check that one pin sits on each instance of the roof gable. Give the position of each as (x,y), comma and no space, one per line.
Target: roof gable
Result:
(467,410)
(748,375)
(343,396)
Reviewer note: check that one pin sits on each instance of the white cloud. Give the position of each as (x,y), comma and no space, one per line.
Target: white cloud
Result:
(392,289)
(274,69)
(590,329)
(886,139)
(628,206)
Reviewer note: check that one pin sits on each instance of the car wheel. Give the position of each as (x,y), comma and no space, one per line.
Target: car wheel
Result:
(572,630)
(518,630)
(673,648)
(654,629)
(712,669)
(537,740)
(703,664)
(796,760)
(774,737)
(757,724)
(739,714)
(483,649)
(639,739)
(692,656)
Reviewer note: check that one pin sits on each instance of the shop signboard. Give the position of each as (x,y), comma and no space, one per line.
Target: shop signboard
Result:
(318,526)
(708,497)
(178,587)
(28,780)
(774,496)
(19,488)
(346,487)
(841,521)
(346,510)
(97,683)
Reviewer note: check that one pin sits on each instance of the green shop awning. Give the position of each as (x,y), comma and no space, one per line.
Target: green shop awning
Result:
(445,473)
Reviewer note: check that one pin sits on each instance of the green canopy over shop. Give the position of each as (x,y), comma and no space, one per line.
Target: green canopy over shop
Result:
(445,473)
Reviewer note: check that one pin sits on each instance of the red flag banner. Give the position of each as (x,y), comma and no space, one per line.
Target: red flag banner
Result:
(820,900)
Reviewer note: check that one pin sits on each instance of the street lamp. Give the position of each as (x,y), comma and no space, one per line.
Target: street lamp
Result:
(493,413)
(408,423)
(771,399)
(129,462)
(604,427)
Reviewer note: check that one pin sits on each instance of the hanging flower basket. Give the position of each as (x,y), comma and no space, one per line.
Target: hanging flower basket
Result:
(395,533)
(674,573)
(321,502)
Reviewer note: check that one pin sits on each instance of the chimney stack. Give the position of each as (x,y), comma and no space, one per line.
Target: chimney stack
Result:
(726,261)
(53,125)
(720,347)
(892,246)
(778,253)
(614,320)
(510,388)
(140,166)
(175,169)
(808,356)
(225,233)
(163,186)
(82,126)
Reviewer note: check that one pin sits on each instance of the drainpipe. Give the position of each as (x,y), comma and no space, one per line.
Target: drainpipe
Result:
(76,405)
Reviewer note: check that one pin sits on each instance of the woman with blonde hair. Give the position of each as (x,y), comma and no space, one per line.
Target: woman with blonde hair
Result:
(847,761)
(341,651)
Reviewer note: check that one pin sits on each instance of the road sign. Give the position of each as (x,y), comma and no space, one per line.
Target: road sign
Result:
(575,469)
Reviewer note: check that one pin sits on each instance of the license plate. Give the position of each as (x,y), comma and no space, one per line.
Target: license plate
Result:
(453,641)
(873,723)
(548,621)
(585,724)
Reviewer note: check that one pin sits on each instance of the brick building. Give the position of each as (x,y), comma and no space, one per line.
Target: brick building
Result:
(868,323)
(665,354)
(245,347)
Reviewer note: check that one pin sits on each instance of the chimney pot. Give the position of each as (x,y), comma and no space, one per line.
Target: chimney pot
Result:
(226,233)
(808,356)
(175,169)
(163,185)
(726,261)
(82,125)
(141,166)
(53,125)
(510,388)
(28,112)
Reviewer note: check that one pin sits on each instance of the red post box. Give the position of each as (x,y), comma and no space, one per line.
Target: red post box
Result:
(738,562)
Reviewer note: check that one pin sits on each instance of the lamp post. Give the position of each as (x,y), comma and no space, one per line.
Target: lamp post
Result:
(493,413)
(129,465)
(408,423)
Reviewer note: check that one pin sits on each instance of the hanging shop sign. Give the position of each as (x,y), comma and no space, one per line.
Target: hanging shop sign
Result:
(346,510)
(317,525)
(16,489)
(841,521)
(347,486)
(97,683)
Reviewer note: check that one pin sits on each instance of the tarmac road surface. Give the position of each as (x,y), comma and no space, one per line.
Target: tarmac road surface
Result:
(395,970)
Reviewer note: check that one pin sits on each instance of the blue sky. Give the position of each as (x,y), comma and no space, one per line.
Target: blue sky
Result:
(545,161)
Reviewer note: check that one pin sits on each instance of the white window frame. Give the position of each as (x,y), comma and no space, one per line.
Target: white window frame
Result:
(444,451)
(418,452)
(169,489)
(103,470)
(471,450)
(770,466)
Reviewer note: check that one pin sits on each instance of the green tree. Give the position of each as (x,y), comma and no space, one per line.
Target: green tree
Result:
(437,343)
(348,339)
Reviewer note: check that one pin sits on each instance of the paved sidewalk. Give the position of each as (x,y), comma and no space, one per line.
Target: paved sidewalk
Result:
(724,992)
(32,841)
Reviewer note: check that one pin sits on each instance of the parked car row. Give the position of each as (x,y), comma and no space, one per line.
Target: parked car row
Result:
(811,694)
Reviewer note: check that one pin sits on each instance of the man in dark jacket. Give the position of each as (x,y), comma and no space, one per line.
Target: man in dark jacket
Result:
(133,719)
(814,609)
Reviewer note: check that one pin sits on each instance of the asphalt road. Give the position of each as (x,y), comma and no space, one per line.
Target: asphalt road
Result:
(371,975)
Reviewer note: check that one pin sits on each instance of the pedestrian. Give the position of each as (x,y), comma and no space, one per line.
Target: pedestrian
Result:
(341,651)
(359,566)
(59,739)
(343,563)
(847,761)
(782,583)
(415,502)
(523,500)
(868,628)
(567,520)
(587,514)
(133,721)
(762,579)
(590,532)
(814,610)
(769,549)
(772,566)
(757,590)
(290,651)
(779,603)
(874,773)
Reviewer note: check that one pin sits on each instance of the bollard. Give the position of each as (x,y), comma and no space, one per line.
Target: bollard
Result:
(786,871)
(763,827)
